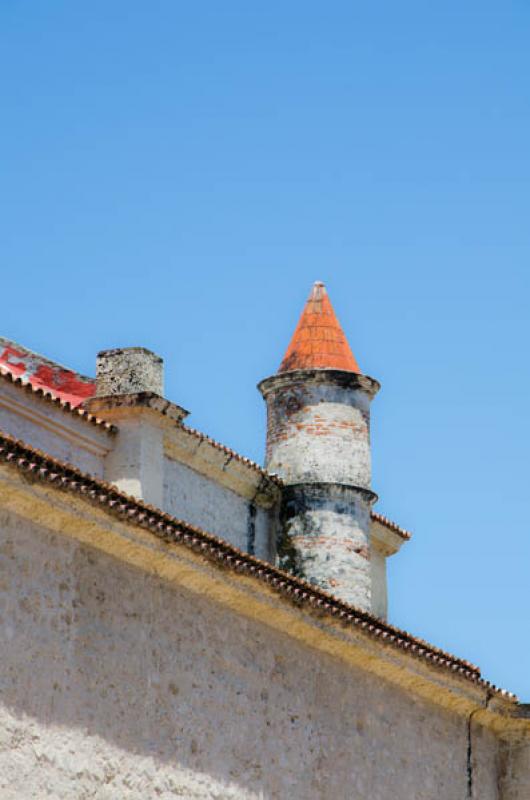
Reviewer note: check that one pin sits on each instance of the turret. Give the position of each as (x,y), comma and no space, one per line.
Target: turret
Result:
(318,442)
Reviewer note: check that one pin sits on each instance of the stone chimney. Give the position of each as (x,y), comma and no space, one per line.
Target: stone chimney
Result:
(318,441)
(129,370)
(129,393)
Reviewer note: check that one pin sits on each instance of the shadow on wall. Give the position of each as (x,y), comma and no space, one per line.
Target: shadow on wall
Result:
(120,685)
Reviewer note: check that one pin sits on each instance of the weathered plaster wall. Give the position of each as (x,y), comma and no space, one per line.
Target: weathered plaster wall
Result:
(133,459)
(325,530)
(49,428)
(318,427)
(515,770)
(135,464)
(115,684)
(318,441)
(378,583)
(201,501)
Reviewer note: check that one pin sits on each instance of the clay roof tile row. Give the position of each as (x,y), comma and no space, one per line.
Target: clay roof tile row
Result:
(43,467)
(232,454)
(64,405)
(391,525)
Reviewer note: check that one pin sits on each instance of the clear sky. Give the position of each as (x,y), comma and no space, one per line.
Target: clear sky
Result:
(176,175)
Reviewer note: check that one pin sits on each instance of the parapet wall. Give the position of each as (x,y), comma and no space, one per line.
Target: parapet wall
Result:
(207,504)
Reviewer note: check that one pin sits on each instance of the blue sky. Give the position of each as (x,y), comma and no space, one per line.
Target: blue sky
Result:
(176,175)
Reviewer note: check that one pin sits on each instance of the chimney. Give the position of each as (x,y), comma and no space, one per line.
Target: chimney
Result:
(129,393)
(129,370)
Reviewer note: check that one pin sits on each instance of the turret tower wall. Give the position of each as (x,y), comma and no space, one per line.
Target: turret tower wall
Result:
(318,442)
(318,426)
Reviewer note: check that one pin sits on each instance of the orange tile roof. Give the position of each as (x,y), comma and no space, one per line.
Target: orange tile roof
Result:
(319,341)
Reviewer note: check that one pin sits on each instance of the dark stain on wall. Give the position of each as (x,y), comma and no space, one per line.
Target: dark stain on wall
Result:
(251,529)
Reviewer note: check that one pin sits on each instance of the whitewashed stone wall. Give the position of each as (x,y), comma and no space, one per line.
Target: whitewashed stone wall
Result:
(117,686)
(218,510)
(378,583)
(47,427)
(134,460)
(318,426)
(318,441)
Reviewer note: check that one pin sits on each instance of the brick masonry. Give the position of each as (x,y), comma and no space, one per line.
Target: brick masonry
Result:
(318,441)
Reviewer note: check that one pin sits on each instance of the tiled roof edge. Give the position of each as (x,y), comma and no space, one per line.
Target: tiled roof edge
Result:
(392,526)
(63,476)
(64,405)
(229,452)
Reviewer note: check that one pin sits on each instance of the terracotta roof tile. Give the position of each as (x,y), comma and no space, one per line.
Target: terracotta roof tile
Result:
(67,385)
(41,466)
(46,395)
(319,341)
(232,454)
(391,525)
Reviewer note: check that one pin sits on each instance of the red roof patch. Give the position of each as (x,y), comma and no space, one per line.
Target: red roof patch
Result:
(44,374)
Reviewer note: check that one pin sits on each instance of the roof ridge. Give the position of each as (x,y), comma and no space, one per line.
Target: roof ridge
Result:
(66,383)
(66,477)
(10,343)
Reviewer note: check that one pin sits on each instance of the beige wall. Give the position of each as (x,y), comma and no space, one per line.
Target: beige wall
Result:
(115,684)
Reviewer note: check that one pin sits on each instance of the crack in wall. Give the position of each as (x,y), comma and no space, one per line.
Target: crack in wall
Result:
(469,762)
(469,754)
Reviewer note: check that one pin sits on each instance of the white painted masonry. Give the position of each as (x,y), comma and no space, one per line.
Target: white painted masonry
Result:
(49,427)
(124,680)
(205,503)
(137,663)
(318,441)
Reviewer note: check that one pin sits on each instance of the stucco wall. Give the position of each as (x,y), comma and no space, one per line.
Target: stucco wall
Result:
(115,684)
(58,433)
(515,770)
(202,502)
(378,583)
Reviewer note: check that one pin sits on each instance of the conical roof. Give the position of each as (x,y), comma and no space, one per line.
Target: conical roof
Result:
(319,341)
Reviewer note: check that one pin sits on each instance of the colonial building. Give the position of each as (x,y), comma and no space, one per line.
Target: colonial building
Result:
(178,621)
